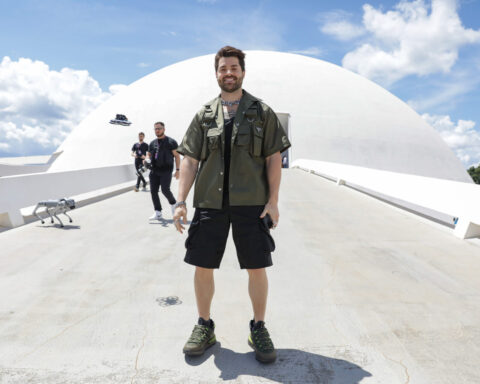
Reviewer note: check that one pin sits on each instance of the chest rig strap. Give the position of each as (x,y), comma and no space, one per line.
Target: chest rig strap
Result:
(254,115)
(207,120)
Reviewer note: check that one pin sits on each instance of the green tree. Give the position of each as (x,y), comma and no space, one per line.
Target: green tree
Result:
(474,173)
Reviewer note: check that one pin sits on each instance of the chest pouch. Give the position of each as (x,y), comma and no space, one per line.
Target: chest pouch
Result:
(256,130)
(213,138)
(243,136)
(207,121)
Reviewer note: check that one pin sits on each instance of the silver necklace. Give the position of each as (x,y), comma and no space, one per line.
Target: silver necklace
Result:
(230,103)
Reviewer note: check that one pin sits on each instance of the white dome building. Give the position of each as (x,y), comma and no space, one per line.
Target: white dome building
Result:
(335,116)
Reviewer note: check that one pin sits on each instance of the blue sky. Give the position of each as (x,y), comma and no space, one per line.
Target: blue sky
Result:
(60,59)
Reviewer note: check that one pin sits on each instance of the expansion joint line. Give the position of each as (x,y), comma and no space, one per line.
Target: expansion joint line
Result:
(138,355)
(399,362)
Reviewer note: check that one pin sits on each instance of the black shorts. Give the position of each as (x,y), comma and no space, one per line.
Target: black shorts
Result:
(208,233)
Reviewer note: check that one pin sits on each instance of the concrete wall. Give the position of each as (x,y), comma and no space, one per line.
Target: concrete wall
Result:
(26,165)
(451,202)
(11,170)
(17,192)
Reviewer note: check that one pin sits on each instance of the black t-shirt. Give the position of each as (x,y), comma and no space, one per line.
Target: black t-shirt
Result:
(161,152)
(228,146)
(140,149)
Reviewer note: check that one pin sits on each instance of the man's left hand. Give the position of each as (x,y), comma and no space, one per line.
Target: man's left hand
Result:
(179,215)
(177,174)
(272,209)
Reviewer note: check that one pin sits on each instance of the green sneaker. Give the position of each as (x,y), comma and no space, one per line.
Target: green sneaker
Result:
(202,338)
(261,342)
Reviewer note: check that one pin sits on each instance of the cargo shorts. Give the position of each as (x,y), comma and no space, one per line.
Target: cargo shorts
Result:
(208,233)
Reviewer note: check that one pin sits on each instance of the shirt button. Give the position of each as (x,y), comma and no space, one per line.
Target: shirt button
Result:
(221,173)
(219,189)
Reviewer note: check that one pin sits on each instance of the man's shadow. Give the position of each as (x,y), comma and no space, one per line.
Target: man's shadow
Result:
(291,366)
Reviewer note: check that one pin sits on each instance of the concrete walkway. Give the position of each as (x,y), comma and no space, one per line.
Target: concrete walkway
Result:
(360,293)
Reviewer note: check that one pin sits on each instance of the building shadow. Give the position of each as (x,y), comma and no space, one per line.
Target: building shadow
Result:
(292,366)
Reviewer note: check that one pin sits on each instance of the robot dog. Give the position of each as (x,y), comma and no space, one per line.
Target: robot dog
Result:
(54,208)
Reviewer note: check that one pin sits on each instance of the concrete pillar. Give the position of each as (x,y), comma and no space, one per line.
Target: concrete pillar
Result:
(11,219)
(465,229)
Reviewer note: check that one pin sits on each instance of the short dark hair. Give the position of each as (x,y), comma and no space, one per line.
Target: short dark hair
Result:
(159,122)
(229,51)
(141,133)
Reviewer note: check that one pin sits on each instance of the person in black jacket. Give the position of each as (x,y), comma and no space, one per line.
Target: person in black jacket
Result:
(139,151)
(161,153)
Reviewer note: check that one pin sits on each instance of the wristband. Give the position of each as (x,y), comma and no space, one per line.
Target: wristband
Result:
(178,169)
(179,203)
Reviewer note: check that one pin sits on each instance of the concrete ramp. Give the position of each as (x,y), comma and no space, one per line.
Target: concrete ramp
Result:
(360,292)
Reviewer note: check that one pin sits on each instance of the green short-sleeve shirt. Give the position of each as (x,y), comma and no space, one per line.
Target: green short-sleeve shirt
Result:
(256,135)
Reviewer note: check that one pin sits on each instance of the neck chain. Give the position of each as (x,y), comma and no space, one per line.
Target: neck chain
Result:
(230,103)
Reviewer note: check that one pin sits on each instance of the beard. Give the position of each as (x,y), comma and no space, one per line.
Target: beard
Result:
(231,87)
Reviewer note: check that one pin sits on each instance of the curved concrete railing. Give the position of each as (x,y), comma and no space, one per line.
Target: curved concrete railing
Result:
(12,169)
(17,192)
(452,202)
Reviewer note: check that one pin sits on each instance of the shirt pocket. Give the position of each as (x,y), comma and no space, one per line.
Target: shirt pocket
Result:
(243,136)
(257,141)
(213,138)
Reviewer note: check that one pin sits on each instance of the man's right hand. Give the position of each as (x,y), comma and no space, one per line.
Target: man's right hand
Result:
(180,213)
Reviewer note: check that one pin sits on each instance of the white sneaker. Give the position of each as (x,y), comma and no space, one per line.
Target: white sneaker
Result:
(156,216)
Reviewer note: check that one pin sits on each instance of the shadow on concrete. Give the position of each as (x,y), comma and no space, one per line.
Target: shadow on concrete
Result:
(168,301)
(165,223)
(292,366)
(65,227)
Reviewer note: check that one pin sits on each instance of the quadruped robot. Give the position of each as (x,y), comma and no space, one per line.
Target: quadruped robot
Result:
(54,208)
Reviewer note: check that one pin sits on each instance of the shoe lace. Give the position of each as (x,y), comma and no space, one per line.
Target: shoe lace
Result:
(199,334)
(262,338)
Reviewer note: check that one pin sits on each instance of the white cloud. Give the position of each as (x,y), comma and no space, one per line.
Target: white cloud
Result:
(39,106)
(143,65)
(461,137)
(337,24)
(312,51)
(342,30)
(115,88)
(412,39)
(445,94)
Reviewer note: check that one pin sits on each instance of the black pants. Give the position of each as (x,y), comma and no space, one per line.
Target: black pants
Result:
(161,180)
(138,164)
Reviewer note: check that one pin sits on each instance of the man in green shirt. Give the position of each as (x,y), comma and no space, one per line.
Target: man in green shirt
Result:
(236,140)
